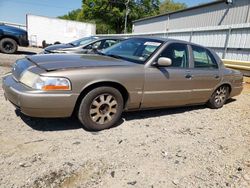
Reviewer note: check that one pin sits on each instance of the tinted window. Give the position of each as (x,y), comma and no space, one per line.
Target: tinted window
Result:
(93,45)
(108,43)
(97,44)
(178,53)
(83,41)
(203,58)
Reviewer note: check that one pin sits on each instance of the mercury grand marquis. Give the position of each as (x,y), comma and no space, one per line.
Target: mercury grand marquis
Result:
(138,73)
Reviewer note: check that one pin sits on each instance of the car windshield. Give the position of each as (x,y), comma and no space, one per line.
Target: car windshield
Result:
(83,41)
(137,50)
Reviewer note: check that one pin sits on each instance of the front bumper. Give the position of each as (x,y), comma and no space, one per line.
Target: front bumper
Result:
(23,42)
(36,103)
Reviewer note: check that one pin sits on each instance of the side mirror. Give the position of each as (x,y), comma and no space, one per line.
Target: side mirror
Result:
(164,62)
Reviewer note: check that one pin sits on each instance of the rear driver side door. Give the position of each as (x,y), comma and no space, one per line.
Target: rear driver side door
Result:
(205,74)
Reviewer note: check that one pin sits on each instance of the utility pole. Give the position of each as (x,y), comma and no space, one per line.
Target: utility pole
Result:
(126,16)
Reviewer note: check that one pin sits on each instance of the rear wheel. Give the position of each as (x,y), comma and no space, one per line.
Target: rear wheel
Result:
(219,97)
(101,108)
(8,46)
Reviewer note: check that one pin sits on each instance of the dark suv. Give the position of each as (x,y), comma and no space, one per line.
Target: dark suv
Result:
(11,37)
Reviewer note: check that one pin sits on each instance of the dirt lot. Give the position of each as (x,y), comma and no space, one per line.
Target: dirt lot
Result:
(181,147)
(8,60)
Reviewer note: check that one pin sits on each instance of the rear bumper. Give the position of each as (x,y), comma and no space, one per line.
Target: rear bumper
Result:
(36,103)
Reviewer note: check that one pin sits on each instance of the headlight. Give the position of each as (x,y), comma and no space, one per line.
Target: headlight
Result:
(45,83)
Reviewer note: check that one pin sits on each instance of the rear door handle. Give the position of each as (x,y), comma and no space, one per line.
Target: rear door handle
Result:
(189,76)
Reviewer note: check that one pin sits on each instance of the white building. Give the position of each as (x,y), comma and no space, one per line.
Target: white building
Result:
(56,30)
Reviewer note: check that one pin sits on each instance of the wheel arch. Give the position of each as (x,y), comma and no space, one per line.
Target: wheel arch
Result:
(11,37)
(88,88)
(224,84)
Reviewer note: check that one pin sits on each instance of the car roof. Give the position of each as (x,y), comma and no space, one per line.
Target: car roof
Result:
(99,39)
(103,38)
(167,40)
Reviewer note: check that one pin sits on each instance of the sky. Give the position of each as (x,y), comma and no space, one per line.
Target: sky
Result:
(15,10)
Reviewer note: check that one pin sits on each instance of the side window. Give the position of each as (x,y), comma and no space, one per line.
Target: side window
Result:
(109,43)
(178,53)
(203,58)
(96,45)
(148,50)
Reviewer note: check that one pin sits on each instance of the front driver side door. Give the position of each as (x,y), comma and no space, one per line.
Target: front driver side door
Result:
(168,86)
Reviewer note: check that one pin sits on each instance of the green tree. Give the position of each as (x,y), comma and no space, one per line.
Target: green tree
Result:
(170,6)
(72,15)
(112,12)
(109,15)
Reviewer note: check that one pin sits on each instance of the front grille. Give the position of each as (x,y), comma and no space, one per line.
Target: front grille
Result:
(19,67)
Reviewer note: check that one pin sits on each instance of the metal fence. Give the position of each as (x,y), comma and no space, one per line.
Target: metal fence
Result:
(230,42)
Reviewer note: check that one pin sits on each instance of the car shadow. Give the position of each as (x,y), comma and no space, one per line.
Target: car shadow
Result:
(151,113)
(71,123)
(25,53)
(50,124)
(56,124)
(230,100)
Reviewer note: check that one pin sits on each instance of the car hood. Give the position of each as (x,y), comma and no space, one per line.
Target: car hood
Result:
(58,47)
(51,62)
(12,29)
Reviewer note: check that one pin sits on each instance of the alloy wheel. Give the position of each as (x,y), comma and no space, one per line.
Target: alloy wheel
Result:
(221,95)
(103,108)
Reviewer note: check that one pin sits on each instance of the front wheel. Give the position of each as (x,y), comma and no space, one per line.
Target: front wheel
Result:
(8,46)
(219,97)
(101,108)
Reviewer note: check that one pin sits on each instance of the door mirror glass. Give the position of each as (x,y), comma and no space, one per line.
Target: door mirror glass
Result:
(164,62)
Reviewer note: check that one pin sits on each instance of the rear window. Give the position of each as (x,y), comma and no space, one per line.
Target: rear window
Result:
(203,58)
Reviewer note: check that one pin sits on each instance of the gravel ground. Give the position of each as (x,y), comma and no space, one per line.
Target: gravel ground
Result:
(8,60)
(181,147)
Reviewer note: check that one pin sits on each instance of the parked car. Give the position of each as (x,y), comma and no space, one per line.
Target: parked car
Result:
(135,74)
(76,43)
(11,37)
(88,46)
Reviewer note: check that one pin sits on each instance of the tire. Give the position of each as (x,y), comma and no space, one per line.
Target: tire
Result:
(101,108)
(219,97)
(8,46)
